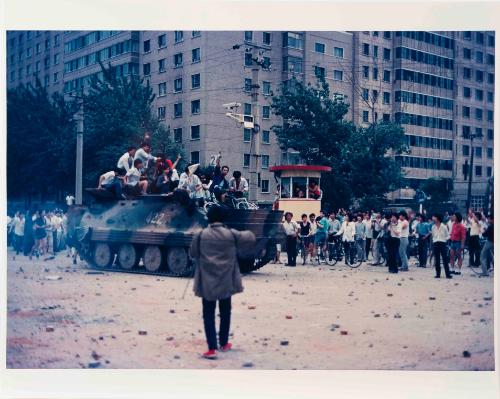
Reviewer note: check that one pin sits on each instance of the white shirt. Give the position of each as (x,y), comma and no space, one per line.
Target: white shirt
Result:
(144,157)
(368,228)
(348,231)
(440,235)
(133,177)
(123,162)
(108,178)
(175,175)
(475,228)
(242,187)
(405,231)
(18,226)
(291,228)
(70,200)
(395,230)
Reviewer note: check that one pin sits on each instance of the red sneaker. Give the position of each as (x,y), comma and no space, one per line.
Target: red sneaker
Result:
(211,354)
(226,347)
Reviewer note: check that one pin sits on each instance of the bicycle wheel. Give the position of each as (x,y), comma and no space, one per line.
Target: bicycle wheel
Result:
(331,255)
(353,261)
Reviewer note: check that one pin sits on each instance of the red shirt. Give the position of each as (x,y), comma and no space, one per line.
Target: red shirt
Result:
(457,232)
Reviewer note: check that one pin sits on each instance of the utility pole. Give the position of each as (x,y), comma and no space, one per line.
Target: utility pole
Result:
(469,188)
(255,142)
(79,154)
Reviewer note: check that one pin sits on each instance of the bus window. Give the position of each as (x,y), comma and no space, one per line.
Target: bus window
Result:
(299,187)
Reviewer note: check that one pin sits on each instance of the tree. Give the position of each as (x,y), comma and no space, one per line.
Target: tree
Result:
(118,114)
(314,125)
(40,141)
(438,191)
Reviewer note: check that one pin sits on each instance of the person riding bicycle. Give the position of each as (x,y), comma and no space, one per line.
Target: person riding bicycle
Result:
(333,227)
(304,234)
(321,232)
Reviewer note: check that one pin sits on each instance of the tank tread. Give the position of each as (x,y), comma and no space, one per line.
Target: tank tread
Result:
(142,270)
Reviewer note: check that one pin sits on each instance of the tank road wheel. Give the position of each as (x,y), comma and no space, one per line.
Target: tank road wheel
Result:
(102,255)
(128,256)
(177,260)
(152,257)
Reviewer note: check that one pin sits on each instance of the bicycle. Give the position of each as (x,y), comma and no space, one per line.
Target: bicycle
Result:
(336,251)
(478,270)
(302,248)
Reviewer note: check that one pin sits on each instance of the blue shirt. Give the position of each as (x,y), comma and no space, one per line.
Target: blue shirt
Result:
(423,228)
(323,226)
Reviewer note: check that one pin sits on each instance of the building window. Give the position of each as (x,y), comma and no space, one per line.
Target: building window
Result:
(319,72)
(490,59)
(195,107)
(266,137)
(247,135)
(365,116)
(386,117)
(466,92)
(178,135)
(56,59)
(387,97)
(338,75)
(375,73)
(491,78)
(178,110)
(467,53)
(162,41)
(479,114)
(266,88)
(479,95)
(375,33)
(292,64)
(147,46)
(47,44)
(490,134)
(319,48)
(178,36)
(375,51)
(37,66)
(479,57)
(247,109)
(248,59)
(366,49)
(465,112)
(387,54)
(161,113)
(374,96)
(56,40)
(293,40)
(46,62)
(387,76)
(488,171)
(490,97)
(196,33)
(248,35)
(365,94)
(366,72)
(46,78)
(266,111)
(177,85)
(265,161)
(195,157)
(479,76)
(162,89)
(479,132)
(266,38)
(467,73)
(338,52)
(264,186)
(465,150)
(489,152)
(195,132)
(478,152)
(466,132)
(28,52)
(387,34)
(146,69)
(195,55)
(248,84)
(195,81)
(479,170)
(28,70)
(490,116)
(38,48)
(56,76)
(479,37)
(177,60)
(246,160)
(491,41)
(467,35)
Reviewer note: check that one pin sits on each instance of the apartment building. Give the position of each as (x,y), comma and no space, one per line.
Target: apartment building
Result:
(438,85)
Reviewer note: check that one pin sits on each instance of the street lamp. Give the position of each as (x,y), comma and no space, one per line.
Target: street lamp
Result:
(472,136)
(79,150)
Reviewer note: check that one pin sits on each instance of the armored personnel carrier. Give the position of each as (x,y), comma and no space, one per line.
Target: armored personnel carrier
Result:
(152,233)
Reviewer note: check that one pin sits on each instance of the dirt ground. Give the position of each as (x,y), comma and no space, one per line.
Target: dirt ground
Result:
(287,318)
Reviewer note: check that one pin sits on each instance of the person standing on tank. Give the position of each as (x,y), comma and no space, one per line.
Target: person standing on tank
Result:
(216,250)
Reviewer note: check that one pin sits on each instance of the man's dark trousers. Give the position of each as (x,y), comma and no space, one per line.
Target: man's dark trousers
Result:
(209,321)
(392,254)
(423,244)
(291,250)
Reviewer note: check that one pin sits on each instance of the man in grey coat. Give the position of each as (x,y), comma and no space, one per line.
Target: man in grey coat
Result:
(217,275)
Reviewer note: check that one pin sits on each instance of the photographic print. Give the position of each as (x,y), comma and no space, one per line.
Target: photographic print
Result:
(250,199)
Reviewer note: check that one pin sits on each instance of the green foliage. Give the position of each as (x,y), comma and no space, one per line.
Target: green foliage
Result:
(439,189)
(117,115)
(41,141)
(314,125)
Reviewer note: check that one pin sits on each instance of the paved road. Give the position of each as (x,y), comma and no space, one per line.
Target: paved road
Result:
(331,318)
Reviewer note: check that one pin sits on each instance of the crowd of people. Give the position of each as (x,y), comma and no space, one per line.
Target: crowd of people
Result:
(38,232)
(137,172)
(441,238)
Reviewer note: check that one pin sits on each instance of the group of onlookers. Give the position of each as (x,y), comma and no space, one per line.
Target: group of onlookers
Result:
(442,238)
